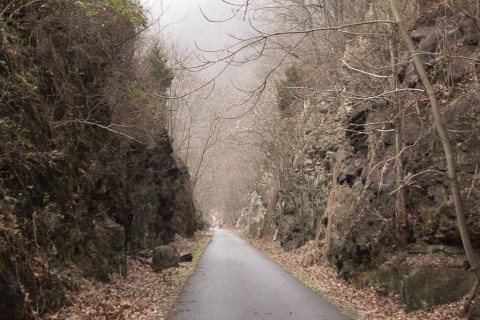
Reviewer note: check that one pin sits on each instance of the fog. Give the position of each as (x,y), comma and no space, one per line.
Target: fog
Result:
(184,21)
(184,24)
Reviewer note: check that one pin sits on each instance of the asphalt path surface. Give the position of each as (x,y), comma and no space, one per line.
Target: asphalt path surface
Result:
(236,282)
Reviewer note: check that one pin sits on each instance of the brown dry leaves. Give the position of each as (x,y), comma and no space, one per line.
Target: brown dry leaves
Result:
(359,303)
(143,294)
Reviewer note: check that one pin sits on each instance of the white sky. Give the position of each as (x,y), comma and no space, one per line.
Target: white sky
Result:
(184,25)
(183,21)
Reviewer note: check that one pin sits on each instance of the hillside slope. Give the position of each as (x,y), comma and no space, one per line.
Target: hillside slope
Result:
(87,173)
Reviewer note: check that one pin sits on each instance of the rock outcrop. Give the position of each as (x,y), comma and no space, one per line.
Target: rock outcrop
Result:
(253,216)
(161,196)
(87,173)
(343,184)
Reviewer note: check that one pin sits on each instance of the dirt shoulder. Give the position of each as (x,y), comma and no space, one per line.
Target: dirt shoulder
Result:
(357,302)
(142,294)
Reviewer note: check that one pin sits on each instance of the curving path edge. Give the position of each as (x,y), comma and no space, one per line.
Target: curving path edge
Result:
(234,281)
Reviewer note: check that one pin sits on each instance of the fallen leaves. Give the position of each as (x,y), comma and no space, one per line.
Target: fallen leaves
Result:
(143,294)
(369,302)
(146,295)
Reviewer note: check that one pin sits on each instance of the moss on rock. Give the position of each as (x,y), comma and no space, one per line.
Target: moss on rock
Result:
(164,257)
(106,252)
(425,279)
(426,287)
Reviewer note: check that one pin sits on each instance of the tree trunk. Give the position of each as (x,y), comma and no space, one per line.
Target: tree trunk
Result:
(401,221)
(447,146)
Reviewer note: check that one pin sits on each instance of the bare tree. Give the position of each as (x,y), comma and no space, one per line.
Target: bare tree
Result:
(447,148)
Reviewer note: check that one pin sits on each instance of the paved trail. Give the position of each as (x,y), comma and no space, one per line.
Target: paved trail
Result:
(236,282)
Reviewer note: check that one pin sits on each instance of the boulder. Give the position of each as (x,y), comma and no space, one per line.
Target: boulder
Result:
(428,279)
(186,256)
(165,257)
(145,256)
(425,287)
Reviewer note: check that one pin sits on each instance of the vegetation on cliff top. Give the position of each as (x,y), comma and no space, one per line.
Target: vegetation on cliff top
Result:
(86,168)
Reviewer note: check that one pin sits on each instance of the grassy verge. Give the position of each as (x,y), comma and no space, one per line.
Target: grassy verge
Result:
(197,248)
(179,276)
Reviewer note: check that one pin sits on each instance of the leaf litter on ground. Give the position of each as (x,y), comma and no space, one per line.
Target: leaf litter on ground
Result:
(358,302)
(143,294)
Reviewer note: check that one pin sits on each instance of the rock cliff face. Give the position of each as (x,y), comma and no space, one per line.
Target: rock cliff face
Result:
(253,216)
(348,156)
(161,197)
(77,195)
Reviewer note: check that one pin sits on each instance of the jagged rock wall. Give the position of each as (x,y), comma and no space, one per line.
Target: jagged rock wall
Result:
(366,237)
(161,196)
(431,213)
(253,217)
(76,196)
(348,156)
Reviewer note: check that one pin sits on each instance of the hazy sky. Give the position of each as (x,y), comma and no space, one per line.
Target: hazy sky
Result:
(183,21)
